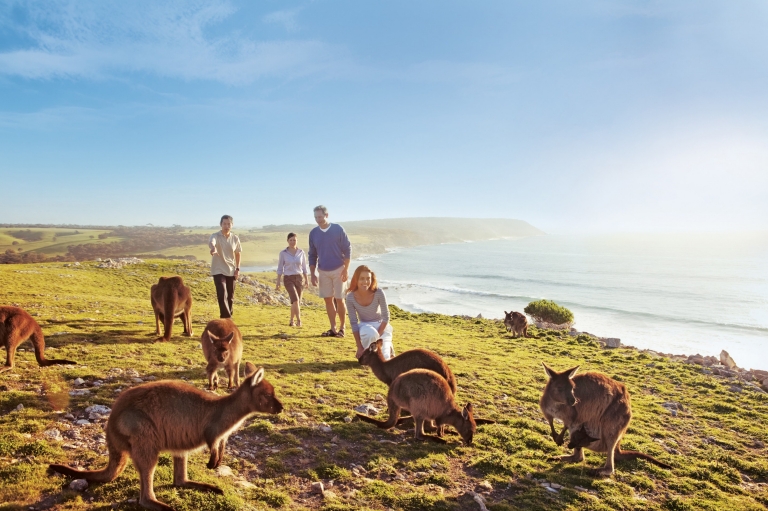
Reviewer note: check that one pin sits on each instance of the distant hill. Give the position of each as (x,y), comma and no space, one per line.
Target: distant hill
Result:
(260,246)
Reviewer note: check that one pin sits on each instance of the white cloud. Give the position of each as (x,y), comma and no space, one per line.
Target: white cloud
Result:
(104,39)
(286,18)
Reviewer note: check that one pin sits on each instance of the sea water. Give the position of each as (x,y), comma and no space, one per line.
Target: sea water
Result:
(673,293)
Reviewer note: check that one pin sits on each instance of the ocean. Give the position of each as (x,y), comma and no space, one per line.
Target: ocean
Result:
(673,293)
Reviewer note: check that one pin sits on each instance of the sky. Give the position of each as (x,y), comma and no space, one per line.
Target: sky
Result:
(590,116)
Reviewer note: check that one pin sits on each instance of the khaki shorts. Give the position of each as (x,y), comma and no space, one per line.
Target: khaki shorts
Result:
(330,284)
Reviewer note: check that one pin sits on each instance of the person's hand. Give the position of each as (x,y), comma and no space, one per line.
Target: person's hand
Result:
(314,280)
(277,287)
(306,282)
(237,274)
(213,251)
(344,275)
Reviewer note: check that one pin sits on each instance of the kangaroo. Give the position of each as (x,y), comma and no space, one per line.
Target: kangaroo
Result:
(595,403)
(177,417)
(223,348)
(516,323)
(170,299)
(580,438)
(388,370)
(429,398)
(16,326)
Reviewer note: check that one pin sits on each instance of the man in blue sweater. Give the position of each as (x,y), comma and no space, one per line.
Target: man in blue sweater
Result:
(329,252)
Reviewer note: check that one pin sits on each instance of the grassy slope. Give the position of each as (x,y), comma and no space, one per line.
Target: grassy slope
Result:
(47,245)
(108,323)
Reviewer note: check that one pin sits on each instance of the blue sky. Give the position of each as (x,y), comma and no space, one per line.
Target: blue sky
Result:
(574,116)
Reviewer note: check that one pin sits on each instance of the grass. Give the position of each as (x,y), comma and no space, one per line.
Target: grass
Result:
(102,319)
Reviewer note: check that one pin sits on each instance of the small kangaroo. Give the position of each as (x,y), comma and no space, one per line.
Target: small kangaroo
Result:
(223,348)
(429,398)
(171,416)
(16,326)
(516,323)
(171,299)
(596,404)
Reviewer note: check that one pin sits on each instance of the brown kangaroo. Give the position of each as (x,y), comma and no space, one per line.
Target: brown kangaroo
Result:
(16,326)
(429,398)
(595,403)
(516,323)
(171,299)
(580,438)
(171,416)
(223,348)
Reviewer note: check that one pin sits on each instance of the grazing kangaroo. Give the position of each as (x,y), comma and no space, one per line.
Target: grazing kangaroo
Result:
(516,323)
(171,299)
(595,403)
(223,348)
(171,416)
(16,326)
(429,398)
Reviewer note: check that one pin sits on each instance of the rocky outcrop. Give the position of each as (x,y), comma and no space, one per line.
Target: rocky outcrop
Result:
(118,262)
(263,294)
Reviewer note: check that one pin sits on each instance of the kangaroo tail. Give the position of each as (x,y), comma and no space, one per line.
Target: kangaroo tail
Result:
(632,455)
(38,341)
(169,308)
(113,469)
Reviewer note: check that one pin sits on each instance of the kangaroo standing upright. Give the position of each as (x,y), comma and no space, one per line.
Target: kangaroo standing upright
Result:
(595,409)
(16,326)
(170,299)
(516,322)
(171,416)
(429,398)
(223,348)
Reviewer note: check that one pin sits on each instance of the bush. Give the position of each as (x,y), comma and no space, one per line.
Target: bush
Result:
(549,311)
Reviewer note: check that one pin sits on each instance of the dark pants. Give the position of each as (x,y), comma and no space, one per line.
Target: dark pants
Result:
(225,292)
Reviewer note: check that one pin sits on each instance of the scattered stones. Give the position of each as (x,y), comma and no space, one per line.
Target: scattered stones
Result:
(52,434)
(612,342)
(224,471)
(118,262)
(735,388)
(317,487)
(100,409)
(484,485)
(78,485)
(479,499)
(79,392)
(367,409)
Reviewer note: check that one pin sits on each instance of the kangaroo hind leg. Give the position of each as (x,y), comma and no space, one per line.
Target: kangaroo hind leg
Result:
(180,477)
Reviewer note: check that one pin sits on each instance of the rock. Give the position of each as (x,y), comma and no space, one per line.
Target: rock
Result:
(137,380)
(612,342)
(317,487)
(300,416)
(325,428)
(100,409)
(199,346)
(367,409)
(82,422)
(726,360)
(347,419)
(78,484)
(131,373)
(224,471)
(320,401)
(484,485)
(19,407)
(479,316)
(245,484)
(696,359)
(52,434)
(78,381)
(94,416)
(556,486)
(79,392)
(735,388)
(329,495)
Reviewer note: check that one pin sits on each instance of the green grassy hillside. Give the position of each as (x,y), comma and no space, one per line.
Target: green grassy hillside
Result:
(102,318)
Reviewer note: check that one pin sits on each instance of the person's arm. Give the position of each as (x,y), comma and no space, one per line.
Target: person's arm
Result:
(238,253)
(212,244)
(312,258)
(305,268)
(384,311)
(280,263)
(346,254)
(353,321)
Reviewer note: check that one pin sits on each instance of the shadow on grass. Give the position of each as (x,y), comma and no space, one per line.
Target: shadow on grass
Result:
(312,367)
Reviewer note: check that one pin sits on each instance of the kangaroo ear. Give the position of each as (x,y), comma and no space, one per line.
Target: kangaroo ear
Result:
(379,343)
(208,335)
(571,372)
(466,411)
(257,377)
(550,372)
(249,369)
(229,337)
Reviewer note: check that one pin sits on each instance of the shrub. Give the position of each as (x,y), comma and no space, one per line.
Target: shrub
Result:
(549,311)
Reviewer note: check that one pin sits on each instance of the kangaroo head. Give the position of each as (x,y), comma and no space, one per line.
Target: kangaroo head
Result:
(262,393)
(221,345)
(467,431)
(560,385)
(371,353)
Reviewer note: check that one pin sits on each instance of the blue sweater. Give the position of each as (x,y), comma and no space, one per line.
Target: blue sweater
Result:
(330,247)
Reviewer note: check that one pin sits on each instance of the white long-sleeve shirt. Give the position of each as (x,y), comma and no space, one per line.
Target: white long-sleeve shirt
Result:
(295,264)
